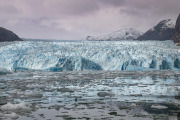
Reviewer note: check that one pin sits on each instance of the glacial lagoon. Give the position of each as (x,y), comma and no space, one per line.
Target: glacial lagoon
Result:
(131,80)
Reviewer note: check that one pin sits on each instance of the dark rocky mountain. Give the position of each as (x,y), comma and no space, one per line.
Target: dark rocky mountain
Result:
(7,35)
(177,31)
(162,31)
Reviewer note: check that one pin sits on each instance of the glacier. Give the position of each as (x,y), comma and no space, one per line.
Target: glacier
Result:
(90,55)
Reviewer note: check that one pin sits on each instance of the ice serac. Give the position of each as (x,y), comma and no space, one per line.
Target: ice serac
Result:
(162,31)
(7,35)
(123,34)
(177,30)
(90,55)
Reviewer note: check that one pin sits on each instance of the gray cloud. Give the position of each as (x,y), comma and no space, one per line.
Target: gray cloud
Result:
(75,19)
(115,3)
(153,7)
(133,12)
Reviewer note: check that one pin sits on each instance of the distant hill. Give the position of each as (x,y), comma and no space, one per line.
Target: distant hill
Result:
(8,36)
(162,31)
(123,34)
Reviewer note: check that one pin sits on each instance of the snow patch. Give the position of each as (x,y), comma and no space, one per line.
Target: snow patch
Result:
(169,23)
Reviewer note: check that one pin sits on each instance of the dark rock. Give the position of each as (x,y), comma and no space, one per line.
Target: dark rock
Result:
(3,100)
(162,31)
(177,63)
(104,94)
(177,30)
(8,36)
(113,113)
(65,90)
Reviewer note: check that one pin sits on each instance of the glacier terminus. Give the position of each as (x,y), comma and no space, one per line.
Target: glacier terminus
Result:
(90,55)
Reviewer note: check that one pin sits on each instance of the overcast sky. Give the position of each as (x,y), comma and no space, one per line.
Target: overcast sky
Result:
(76,19)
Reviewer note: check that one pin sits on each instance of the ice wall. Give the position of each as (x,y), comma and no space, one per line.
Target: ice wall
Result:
(90,55)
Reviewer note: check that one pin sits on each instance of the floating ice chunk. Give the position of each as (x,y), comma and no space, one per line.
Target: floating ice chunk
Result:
(36,94)
(36,86)
(133,105)
(22,74)
(12,115)
(21,107)
(159,107)
(1,115)
(15,92)
(3,71)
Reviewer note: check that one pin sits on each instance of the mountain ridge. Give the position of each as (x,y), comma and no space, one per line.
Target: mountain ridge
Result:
(122,34)
(8,36)
(164,30)
(177,31)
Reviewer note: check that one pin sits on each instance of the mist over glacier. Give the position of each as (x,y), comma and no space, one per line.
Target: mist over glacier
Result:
(90,55)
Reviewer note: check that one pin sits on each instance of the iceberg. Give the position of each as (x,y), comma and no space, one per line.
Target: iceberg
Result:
(90,55)
(3,71)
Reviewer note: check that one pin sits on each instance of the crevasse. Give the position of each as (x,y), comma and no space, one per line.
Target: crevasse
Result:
(90,55)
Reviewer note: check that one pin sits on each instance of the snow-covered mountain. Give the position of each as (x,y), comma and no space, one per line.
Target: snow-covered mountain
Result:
(164,30)
(123,34)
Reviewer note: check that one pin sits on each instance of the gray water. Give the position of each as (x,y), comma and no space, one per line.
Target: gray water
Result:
(91,95)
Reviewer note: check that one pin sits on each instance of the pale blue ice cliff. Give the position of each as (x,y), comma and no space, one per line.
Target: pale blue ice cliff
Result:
(90,55)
